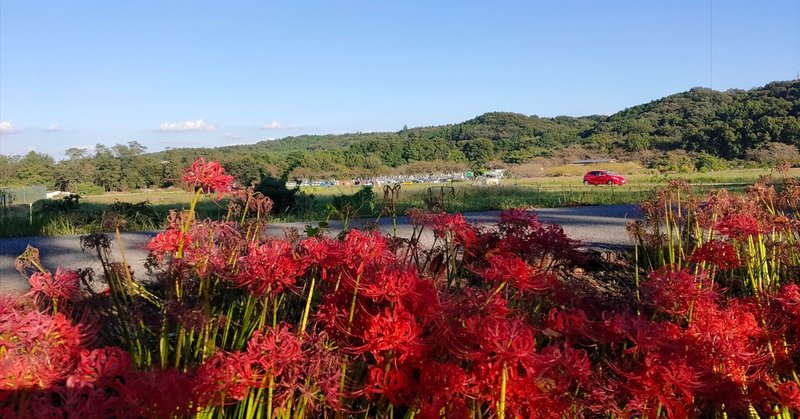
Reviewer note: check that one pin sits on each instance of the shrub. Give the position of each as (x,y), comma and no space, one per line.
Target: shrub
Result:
(88,189)
(283,198)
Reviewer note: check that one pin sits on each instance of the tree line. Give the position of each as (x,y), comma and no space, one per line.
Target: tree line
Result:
(697,128)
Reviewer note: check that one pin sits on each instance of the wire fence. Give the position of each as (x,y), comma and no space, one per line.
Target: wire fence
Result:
(22,195)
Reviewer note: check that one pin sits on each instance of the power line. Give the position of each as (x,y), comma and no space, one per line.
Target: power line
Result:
(710,44)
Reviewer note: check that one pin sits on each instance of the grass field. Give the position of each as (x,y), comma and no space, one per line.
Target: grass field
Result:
(539,192)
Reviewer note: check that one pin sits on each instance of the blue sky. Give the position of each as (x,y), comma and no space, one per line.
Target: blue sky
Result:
(197,73)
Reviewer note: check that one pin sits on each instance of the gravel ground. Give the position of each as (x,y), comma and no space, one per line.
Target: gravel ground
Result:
(597,226)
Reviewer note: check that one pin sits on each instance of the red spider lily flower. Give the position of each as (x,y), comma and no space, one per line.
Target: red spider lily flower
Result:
(661,384)
(726,339)
(571,325)
(720,254)
(463,233)
(789,297)
(508,268)
(393,333)
(100,364)
(391,283)
(738,226)
(269,268)
(275,350)
(210,177)
(503,342)
(323,253)
(362,248)
(106,386)
(446,378)
(675,292)
(521,233)
(64,285)
(396,383)
(420,218)
(38,350)
(225,378)
(443,389)
(789,396)
(168,242)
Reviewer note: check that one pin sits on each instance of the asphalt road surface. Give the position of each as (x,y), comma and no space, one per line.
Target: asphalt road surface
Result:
(600,226)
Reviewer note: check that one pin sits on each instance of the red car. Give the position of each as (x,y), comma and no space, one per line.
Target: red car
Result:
(603,177)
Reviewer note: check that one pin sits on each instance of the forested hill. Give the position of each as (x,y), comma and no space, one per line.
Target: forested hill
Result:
(724,124)
(700,123)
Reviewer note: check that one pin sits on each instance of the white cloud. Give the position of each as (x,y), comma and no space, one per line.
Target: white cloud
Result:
(198,125)
(231,137)
(7,128)
(54,127)
(273,125)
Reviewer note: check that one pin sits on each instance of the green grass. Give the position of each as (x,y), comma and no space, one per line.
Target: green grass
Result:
(540,192)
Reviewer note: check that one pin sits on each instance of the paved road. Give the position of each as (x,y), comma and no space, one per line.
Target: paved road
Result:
(597,226)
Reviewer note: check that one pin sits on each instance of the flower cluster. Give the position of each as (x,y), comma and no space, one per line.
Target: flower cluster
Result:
(207,176)
(484,322)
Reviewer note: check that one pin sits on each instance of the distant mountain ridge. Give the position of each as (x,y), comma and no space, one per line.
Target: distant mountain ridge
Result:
(724,124)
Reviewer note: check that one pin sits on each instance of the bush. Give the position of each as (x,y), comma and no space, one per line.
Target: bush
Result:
(357,204)
(88,188)
(283,198)
(705,163)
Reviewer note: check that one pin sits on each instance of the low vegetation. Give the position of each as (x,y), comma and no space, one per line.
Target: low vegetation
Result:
(703,320)
(147,211)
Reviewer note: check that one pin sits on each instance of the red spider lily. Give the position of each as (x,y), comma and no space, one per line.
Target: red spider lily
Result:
(717,253)
(738,226)
(571,325)
(508,268)
(317,379)
(64,285)
(257,205)
(789,396)
(521,233)
(661,384)
(275,351)
(269,268)
(676,292)
(210,177)
(420,218)
(396,383)
(462,232)
(727,338)
(362,248)
(225,378)
(212,246)
(168,242)
(107,363)
(393,334)
(789,297)
(443,388)
(115,390)
(391,283)
(503,342)
(38,350)
(323,253)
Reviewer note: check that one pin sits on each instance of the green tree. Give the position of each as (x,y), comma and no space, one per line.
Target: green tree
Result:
(108,169)
(35,169)
(478,152)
